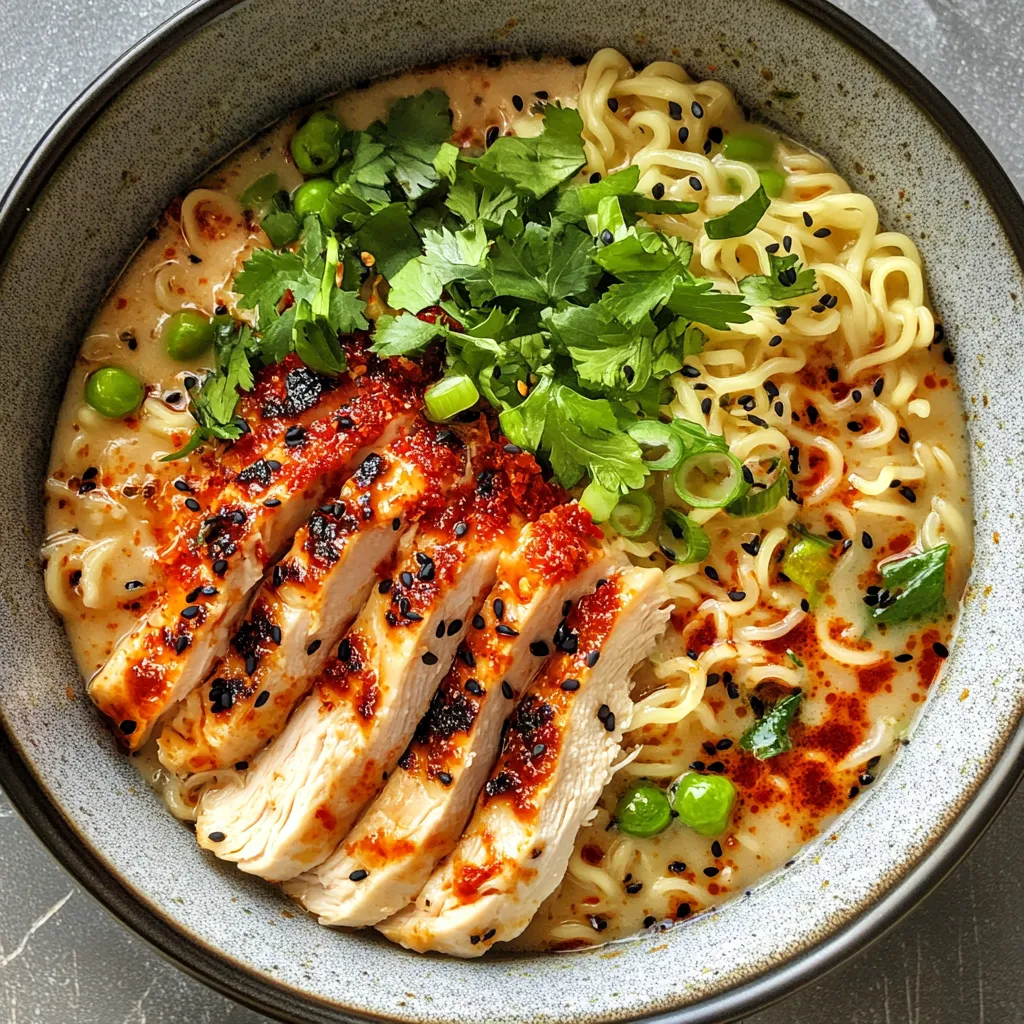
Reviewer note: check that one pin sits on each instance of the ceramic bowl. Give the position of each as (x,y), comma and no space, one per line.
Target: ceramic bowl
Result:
(203,83)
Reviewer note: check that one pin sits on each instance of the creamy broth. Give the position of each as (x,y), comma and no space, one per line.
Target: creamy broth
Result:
(877,492)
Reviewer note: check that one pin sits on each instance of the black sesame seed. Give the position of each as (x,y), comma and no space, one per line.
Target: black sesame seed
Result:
(429,658)
(492,135)
(634,887)
(822,233)
(696,109)
(384,586)
(867,540)
(705,406)
(909,494)
(473,687)
(506,690)
(609,723)
(847,544)
(181,644)
(695,183)
(454,626)
(444,778)
(690,371)
(658,191)
(879,384)
(396,524)
(439,632)
(856,395)
(855,426)
(517,102)
(220,566)
(613,104)
(902,658)
(711,572)
(808,219)
(345,650)
(595,177)
(571,685)
(713,678)
(723,744)
(940,649)
(294,436)
(538,750)
(711,872)
(539,649)
(261,699)
(866,778)
(683,134)
(474,940)
(606,237)
(592,658)
(359,875)
(190,612)
(478,622)
(853,792)
(216,837)
(127,727)
(271,503)
(716,849)
(461,529)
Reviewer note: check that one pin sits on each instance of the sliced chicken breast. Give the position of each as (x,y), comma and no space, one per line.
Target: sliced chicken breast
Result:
(419,815)
(305,434)
(309,599)
(557,755)
(306,789)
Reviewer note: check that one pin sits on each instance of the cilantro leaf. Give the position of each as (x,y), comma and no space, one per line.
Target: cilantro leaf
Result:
(580,201)
(416,129)
(498,366)
(447,256)
(579,434)
(917,584)
(697,300)
(769,736)
(544,265)
(475,202)
(787,280)
(267,274)
(391,238)
(536,165)
(741,219)
(404,335)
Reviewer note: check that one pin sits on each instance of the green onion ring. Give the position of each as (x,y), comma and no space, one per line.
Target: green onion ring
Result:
(653,434)
(757,503)
(681,540)
(719,480)
(633,515)
(449,397)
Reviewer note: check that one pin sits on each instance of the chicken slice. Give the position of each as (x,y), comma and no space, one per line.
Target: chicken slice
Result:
(309,599)
(557,755)
(419,815)
(305,433)
(305,790)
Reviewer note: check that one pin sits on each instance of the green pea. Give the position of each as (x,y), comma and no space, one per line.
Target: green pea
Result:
(114,392)
(187,334)
(312,196)
(774,182)
(703,802)
(643,810)
(316,145)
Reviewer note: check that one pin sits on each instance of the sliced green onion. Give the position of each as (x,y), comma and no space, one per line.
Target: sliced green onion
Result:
(710,479)
(681,540)
(741,219)
(808,562)
(653,434)
(449,397)
(633,515)
(757,503)
(773,182)
(750,148)
(259,194)
(598,501)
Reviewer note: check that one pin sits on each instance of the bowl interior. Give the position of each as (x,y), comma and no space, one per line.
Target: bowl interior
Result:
(234,75)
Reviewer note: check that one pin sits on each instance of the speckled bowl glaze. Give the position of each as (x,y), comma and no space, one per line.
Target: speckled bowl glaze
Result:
(201,85)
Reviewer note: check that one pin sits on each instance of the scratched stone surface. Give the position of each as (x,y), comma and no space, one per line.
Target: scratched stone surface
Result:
(955,960)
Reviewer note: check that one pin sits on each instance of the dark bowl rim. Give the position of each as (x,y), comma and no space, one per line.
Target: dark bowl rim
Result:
(30,797)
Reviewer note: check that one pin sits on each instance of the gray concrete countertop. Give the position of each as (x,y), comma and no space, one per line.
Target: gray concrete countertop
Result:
(64,960)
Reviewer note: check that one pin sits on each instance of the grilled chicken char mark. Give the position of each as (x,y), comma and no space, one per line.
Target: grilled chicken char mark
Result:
(311,597)
(418,817)
(307,788)
(305,433)
(560,743)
